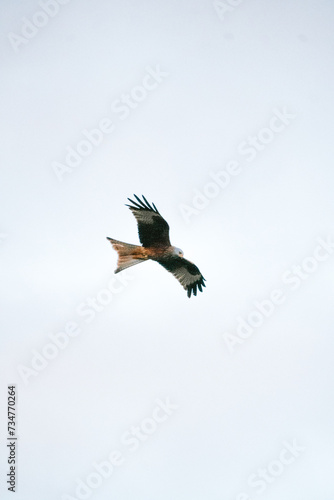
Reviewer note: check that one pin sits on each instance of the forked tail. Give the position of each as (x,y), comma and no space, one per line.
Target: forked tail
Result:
(128,255)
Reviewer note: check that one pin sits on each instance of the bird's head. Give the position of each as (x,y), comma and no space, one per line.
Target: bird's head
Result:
(177,251)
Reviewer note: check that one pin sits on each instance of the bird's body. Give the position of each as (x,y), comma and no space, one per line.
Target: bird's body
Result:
(154,235)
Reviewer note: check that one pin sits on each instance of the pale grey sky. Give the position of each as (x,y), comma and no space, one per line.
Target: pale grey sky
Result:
(221,114)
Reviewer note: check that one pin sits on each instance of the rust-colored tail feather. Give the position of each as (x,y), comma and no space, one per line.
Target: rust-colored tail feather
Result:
(128,255)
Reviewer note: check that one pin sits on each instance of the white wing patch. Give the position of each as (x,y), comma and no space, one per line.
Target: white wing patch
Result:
(184,277)
(144,216)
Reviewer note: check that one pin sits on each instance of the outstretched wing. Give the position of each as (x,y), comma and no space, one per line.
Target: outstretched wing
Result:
(153,230)
(186,272)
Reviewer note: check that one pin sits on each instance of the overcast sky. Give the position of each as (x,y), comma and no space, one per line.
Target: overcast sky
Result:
(221,114)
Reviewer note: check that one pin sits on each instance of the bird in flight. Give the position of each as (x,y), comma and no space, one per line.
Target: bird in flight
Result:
(153,233)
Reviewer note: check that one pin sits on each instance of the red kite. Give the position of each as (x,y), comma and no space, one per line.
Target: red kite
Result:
(153,233)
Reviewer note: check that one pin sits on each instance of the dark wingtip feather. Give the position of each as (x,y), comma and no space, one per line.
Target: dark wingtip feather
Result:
(136,205)
(140,201)
(140,205)
(155,208)
(147,203)
(194,287)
